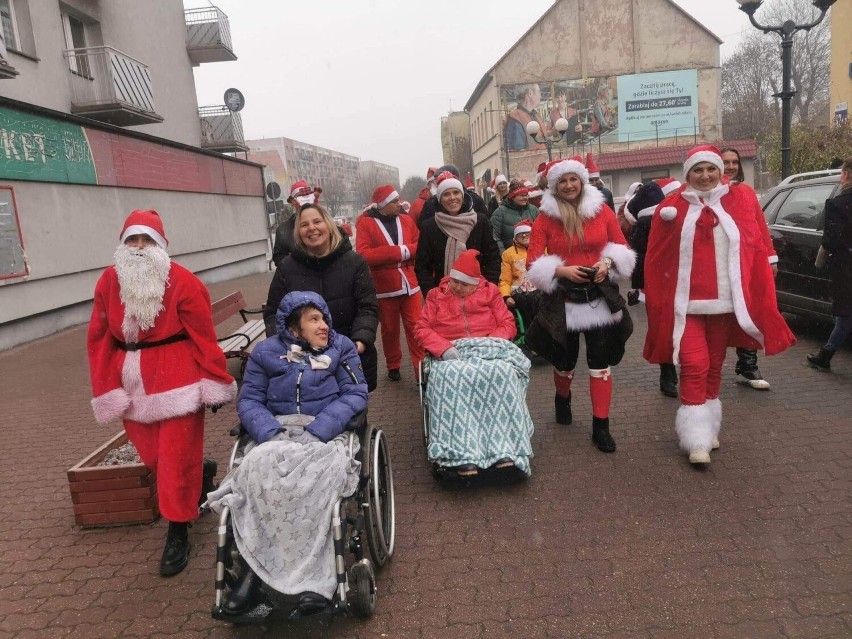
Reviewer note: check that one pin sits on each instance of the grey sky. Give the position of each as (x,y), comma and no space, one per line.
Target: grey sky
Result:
(373,77)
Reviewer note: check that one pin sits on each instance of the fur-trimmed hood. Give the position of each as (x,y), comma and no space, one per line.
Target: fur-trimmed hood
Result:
(591,203)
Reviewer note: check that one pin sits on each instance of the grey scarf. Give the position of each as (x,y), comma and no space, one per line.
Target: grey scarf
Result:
(457,228)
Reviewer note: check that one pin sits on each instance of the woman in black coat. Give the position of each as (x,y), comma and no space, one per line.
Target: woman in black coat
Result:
(454,228)
(322,261)
(837,242)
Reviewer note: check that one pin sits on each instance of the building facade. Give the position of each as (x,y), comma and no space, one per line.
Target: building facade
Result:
(96,121)
(841,62)
(624,75)
(455,141)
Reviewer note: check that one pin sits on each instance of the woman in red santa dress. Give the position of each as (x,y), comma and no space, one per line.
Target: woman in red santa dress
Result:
(155,364)
(576,254)
(711,287)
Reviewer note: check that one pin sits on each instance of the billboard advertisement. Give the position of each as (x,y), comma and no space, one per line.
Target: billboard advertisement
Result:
(601,110)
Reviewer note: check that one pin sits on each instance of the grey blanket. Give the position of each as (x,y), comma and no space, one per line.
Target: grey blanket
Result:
(281,498)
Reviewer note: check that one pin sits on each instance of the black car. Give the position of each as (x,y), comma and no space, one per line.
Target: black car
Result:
(795,212)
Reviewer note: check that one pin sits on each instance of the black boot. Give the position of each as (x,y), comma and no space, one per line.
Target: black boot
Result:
(600,435)
(668,380)
(241,597)
(822,360)
(747,371)
(208,475)
(176,552)
(563,410)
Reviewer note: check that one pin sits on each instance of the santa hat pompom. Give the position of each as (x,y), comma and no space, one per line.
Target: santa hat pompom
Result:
(668,213)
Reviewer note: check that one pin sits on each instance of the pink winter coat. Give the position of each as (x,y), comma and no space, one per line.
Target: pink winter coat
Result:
(447,317)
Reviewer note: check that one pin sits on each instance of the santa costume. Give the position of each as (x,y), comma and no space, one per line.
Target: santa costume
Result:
(711,287)
(389,243)
(155,364)
(567,309)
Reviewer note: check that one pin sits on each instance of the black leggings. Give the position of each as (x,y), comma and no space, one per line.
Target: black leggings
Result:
(597,347)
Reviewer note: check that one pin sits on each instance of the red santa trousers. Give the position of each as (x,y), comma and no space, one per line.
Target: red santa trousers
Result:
(702,353)
(174,448)
(391,310)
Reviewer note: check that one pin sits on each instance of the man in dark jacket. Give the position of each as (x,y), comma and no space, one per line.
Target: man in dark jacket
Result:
(837,242)
(431,205)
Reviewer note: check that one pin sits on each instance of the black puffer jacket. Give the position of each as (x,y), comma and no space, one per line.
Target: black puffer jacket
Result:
(837,240)
(343,279)
(429,261)
(283,240)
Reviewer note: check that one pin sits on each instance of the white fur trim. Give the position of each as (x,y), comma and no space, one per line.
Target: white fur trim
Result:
(624,261)
(671,187)
(463,277)
(668,213)
(628,216)
(448,183)
(581,317)
(522,228)
(591,202)
(601,373)
(564,167)
(647,212)
(710,307)
(390,198)
(140,229)
(695,428)
(110,406)
(703,156)
(542,272)
(715,406)
(213,392)
(773,259)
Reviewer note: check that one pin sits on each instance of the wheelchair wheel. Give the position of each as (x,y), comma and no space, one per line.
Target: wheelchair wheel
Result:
(381,508)
(361,599)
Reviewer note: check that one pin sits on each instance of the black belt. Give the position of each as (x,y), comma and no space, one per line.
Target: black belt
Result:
(137,346)
(581,295)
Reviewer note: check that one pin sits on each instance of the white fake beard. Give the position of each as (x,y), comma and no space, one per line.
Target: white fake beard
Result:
(142,276)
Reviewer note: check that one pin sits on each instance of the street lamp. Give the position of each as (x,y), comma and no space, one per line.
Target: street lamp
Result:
(786,31)
(534,128)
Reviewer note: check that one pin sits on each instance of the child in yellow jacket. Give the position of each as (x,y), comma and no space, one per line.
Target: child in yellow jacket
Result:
(516,289)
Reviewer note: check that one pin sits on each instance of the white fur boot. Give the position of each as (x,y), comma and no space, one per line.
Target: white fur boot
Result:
(715,406)
(695,430)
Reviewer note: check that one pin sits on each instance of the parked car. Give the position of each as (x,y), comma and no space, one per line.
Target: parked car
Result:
(795,212)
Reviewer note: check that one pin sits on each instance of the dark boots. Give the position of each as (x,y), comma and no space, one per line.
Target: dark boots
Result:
(747,371)
(600,435)
(822,360)
(176,552)
(208,475)
(241,597)
(563,410)
(668,380)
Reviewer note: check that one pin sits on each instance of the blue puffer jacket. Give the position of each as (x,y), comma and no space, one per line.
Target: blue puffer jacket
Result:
(333,395)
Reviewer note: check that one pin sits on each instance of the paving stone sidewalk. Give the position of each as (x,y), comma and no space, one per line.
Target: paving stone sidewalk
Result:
(637,544)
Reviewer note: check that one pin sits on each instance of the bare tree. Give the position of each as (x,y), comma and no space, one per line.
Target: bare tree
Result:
(364,194)
(411,188)
(335,196)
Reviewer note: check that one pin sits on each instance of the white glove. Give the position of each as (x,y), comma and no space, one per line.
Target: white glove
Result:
(451,353)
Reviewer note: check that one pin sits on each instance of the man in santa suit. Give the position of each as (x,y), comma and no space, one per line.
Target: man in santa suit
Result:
(388,241)
(155,364)
(711,287)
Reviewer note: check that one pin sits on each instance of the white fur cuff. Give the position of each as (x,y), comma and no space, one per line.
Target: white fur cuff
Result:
(213,393)
(695,427)
(623,258)
(542,272)
(110,406)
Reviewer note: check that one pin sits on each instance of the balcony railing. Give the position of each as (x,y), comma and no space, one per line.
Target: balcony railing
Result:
(109,86)
(221,130)
(208,36)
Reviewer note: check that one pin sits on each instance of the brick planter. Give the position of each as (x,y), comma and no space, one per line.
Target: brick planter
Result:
(112,495)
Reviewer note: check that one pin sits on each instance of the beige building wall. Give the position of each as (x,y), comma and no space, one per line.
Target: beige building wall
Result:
(455,141)
(841,56)
(153,33)
(593,38)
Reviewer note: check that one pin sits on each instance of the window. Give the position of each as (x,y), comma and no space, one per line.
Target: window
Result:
(75,38)
(10,27)
(659,174)
(804,208)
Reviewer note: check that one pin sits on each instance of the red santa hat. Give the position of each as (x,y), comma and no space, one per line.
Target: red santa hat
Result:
(383,195)
(594,171)
(669,185)
(517,188)
(524,226)
(145,223)
(447,180)
(468,183)
(703,153)
(301,193)
(558,168)
(466,267)
(430,174)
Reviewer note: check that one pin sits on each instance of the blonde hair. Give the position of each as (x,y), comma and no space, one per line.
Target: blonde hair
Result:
(335,237)
(571,220)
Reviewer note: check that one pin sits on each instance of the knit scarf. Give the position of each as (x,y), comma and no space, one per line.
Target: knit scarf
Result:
(457,228)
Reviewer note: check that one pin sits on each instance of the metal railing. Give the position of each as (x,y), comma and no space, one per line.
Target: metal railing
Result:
(207,27)
(104,76)
(221,128)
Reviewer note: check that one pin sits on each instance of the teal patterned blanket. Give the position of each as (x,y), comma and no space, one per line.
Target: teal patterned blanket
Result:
(478,405)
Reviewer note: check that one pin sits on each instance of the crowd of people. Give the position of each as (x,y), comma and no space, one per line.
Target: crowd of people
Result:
(461,277)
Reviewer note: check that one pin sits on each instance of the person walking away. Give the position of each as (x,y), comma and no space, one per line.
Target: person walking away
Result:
(388,241)
(155,364)
(837,242)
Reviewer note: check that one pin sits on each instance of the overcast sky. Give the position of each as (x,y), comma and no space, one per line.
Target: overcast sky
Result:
(374,77)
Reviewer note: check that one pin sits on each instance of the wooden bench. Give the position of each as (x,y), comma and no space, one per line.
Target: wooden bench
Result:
(240,342)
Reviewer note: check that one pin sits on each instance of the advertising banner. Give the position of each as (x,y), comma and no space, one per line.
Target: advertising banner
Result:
(652,105)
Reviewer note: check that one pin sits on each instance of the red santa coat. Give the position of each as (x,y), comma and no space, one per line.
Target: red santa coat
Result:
(391,264)
(551,248)
(684,275)
(155,384)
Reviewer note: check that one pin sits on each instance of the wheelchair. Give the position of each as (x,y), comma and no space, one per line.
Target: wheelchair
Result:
(369,513)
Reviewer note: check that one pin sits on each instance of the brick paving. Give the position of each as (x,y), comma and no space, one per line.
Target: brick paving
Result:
(636,544)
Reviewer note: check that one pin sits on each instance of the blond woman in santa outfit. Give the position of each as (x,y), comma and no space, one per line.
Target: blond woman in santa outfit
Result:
(576,254)
(711,287)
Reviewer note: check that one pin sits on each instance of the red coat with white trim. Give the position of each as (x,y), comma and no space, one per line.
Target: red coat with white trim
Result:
(155,384)
(689,275)
(551,248)
(391,264)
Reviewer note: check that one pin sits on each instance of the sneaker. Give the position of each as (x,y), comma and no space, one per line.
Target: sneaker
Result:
(699,456)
